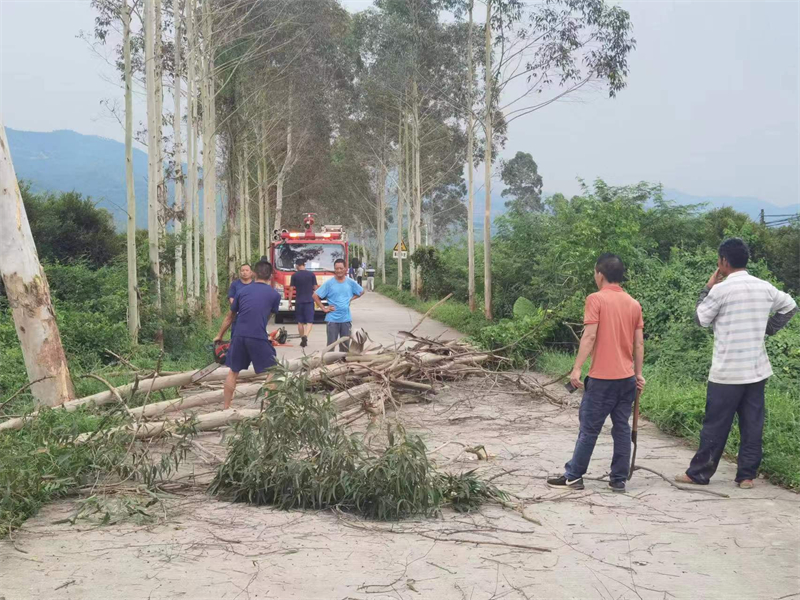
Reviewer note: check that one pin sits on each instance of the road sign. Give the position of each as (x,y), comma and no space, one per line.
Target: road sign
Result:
(400,247)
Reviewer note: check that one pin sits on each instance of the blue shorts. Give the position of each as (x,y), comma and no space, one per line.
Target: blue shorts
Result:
(245,350)
(304,312)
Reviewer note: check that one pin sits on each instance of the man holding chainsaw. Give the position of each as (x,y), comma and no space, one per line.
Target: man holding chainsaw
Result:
(252,308)
(738,309)
(613,335)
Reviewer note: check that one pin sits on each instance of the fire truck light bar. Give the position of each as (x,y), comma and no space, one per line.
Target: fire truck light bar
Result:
(299,234)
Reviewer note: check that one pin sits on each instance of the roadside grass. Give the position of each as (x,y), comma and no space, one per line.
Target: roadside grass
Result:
(452,313)
(677,405)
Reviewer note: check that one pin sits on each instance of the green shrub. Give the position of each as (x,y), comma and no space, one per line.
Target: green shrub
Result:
(295,455)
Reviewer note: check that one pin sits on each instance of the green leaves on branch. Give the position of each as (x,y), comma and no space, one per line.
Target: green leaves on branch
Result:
(295,455)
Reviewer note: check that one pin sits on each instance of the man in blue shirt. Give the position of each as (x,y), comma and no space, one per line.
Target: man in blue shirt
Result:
(340,292)
(245,278)
(302,285)
(252,307)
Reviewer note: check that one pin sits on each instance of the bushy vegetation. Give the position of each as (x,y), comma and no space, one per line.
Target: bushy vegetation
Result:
(542,270)
(87,272)
(47,460)
(296,455)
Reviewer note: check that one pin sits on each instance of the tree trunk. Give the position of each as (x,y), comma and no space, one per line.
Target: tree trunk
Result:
(152,145)
(209,173)
(28,293)
(133,278)
(240,210)
(248,238)
(470,158)
(261,230)
(196,219)
(487,216)
(193,201)
(401,158)
(161,188)
(417,195)
(178,149)
(381,258)
(266,186)
(191,195)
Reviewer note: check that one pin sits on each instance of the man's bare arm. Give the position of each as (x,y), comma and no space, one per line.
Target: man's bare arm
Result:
(587,345)
(225,324)
(638,357)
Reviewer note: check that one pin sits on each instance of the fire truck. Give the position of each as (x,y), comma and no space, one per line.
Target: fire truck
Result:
(319,249)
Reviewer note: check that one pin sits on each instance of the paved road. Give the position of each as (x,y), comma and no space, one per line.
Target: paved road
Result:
(381,317)
(653,543)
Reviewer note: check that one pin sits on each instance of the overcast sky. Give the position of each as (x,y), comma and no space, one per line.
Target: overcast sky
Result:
(712,106)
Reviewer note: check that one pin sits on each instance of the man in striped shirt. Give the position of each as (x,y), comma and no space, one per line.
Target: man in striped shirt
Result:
(738,309)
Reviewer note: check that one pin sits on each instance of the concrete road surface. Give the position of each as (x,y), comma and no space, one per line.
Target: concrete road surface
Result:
(655,542)
(381,317)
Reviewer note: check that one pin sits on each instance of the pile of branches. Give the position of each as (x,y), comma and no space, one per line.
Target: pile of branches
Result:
(291,449)
(296,454)
(366,380)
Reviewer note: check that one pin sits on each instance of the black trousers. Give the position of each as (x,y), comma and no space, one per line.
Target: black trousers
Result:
(722,403)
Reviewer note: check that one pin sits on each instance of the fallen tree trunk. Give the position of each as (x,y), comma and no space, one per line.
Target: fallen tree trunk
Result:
(171,381)
(205,422)
(193,401)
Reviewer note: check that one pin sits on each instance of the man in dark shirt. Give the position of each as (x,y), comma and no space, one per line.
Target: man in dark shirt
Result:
(253,307)
(245,278)
(302,285)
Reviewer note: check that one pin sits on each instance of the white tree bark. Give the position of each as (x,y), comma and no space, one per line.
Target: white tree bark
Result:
(28,293)
(265,187)
(487,215)
(192,201)
(401,178)
(240,213)
(417,241)
(288,163)
(381,220)
(196,219)
(152,152)
(210,172)
(248,238)
(470,169)
(178,148)
(161,187)
(262,248)
(133,285)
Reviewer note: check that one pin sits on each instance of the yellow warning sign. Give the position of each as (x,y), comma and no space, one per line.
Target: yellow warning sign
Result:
(400,246)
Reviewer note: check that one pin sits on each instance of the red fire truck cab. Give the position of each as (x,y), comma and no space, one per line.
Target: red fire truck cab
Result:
(319,249)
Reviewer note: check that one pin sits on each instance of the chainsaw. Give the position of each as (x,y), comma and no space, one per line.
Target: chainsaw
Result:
(220,351)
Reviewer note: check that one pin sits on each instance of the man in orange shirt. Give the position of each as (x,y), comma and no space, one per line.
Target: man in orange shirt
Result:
(613,336)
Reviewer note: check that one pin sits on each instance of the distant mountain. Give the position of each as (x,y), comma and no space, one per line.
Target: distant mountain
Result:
(65,161)
(748,205)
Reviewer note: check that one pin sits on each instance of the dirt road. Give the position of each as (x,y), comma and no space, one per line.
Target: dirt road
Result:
(655,542)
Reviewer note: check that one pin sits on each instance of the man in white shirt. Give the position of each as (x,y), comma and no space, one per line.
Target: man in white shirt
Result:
(738,309)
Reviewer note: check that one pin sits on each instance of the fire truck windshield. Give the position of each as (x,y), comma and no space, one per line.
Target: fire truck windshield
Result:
(319,257)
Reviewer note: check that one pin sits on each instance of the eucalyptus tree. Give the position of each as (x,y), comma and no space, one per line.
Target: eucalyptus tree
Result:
(417,61)
(544,52)
(28,293)
(110,14)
